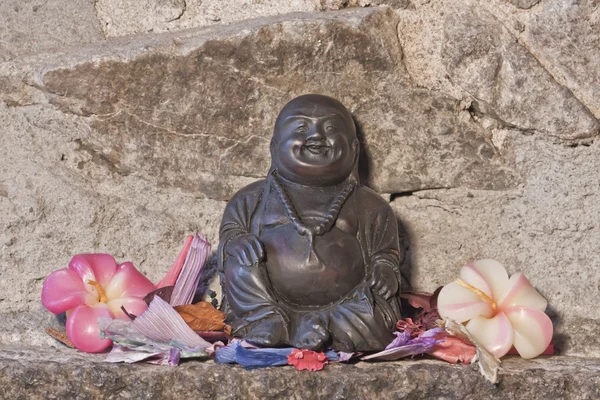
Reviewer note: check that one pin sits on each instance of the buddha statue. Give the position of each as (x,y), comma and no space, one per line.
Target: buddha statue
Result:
(309,257)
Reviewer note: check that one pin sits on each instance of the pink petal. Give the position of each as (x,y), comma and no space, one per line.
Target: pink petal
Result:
(187,282)
(133,305)
(171,276)
(533,330)
(94,267)
(495,334)
(128,282)
(519,292)
(489,276)
(64,290)
(82,328)
(461,304)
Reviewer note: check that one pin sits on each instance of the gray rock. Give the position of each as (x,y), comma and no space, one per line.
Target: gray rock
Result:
(507,81)
(52,373)
(28,26)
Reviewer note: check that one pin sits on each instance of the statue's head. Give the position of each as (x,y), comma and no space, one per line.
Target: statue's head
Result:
(314,142)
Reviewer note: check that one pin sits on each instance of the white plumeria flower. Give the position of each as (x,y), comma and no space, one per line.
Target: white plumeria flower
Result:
(500,312)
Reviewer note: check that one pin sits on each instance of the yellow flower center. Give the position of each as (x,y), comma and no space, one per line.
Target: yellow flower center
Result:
(478,292)
(101,294)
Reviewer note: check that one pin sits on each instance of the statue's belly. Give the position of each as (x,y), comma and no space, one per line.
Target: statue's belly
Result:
(331,272)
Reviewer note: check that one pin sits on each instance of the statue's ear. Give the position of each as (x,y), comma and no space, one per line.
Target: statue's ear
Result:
(356,148)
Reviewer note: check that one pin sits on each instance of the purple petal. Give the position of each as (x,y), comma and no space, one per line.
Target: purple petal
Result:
(401,339)
(399,352)
(345,357)
(163,324)
(189,277)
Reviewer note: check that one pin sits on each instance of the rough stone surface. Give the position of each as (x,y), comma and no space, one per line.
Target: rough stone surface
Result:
(480,119)
(128,17)
(63,374)
(28,26)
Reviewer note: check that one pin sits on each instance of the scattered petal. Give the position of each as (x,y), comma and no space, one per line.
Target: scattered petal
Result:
(171,276)
(307,360)
(453,349)
(488,363)
(162,323)
(187,282)
(164,293)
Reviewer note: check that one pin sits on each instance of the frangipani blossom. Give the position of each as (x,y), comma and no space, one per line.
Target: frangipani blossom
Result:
(500,312)
(94,286)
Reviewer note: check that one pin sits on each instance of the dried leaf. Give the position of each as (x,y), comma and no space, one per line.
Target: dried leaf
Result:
(202,316)
(163,292)
(60,336)
(489,364)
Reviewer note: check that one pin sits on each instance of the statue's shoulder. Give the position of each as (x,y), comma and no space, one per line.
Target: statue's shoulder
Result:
(253,190)
(372,200)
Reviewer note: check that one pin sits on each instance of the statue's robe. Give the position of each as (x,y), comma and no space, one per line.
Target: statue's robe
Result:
(332,282)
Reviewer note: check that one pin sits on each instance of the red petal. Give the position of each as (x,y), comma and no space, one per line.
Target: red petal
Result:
(307,360)
(453,349)
(171,276)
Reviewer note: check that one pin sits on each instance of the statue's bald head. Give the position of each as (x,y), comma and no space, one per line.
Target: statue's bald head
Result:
(315,105)
(314,141)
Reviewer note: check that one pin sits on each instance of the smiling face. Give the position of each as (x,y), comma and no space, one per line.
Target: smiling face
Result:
(314,142)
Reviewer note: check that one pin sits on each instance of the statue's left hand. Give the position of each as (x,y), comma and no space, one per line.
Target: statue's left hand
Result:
(384,281)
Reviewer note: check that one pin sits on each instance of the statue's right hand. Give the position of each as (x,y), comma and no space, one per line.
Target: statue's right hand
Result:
(247,249)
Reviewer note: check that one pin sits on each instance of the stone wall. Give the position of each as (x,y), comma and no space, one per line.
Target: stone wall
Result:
(128,124)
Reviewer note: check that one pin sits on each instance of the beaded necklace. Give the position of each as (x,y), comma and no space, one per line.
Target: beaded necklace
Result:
(327,222)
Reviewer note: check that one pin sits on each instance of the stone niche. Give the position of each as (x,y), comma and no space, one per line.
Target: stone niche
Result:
(478,120)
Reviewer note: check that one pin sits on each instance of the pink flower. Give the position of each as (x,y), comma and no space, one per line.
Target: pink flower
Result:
(94,286)
(500,312)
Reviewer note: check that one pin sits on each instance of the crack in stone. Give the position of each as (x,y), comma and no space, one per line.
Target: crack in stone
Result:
(183,10)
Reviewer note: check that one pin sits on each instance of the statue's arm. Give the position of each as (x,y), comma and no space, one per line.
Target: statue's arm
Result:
(383,248)
(235,235)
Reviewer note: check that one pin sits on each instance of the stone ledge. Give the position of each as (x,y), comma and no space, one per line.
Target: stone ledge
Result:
(28,373)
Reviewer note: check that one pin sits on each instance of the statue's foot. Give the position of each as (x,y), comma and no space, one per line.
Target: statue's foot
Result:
(311,334)
(268,332)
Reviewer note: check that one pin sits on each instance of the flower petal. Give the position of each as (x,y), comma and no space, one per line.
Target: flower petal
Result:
(532,330)
(520,292)
(133,305)
(82,328)
(495,334)
(489,276)
(461,304)
(128,282)
(94,267)
(64,290)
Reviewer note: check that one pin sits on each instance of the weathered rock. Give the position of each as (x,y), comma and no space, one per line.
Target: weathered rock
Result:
(127,145)
(416,139)
(50,373)
(508,83)
(28,26)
